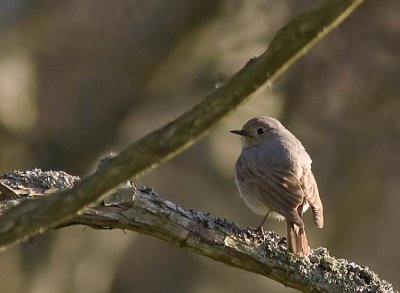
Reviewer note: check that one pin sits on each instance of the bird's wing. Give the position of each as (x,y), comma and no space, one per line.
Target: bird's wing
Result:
(310,189)
(278,189)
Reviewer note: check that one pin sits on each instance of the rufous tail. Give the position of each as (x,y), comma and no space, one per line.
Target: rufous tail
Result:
(297,240)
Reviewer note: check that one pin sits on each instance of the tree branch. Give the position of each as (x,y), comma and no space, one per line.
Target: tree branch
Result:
(143,211)
(289,44)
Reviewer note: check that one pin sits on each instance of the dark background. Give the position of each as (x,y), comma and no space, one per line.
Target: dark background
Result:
(79,79)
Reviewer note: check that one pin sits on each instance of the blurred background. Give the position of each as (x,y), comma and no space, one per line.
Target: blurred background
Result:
(79,79)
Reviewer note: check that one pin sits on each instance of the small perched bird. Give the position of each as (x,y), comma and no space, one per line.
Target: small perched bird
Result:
(274,178)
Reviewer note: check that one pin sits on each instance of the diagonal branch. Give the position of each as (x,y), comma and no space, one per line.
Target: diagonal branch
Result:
(289,44)
(145,212)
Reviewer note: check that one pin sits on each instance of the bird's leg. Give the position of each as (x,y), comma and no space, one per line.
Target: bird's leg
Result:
(260,229)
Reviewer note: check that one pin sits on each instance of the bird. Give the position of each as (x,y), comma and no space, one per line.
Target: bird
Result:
(274,178)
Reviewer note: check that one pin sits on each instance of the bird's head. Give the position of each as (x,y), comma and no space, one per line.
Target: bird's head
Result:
(258,130)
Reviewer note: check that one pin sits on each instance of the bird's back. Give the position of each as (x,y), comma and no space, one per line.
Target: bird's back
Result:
(277,174)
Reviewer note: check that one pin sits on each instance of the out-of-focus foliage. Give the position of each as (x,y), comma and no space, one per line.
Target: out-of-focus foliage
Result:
(82,78)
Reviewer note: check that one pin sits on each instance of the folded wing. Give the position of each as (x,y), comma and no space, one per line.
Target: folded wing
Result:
(282,191)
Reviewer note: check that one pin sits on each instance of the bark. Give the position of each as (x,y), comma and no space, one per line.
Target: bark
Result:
(143,211)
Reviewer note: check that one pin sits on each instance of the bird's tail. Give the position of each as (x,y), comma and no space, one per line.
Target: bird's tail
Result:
(297,240)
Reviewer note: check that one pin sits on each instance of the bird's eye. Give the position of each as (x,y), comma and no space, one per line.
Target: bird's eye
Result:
(260,130)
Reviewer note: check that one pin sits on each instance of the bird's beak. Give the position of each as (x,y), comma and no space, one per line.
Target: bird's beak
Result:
(241,132)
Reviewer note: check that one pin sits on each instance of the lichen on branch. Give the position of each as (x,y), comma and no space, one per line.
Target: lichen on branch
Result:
(143,211)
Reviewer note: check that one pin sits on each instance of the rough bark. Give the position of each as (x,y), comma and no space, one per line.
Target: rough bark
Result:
(143,211)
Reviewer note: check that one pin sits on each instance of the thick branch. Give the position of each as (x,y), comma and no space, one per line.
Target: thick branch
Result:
(143,211)
(288,45)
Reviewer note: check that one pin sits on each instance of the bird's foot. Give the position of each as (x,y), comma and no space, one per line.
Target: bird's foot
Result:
(260,231)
